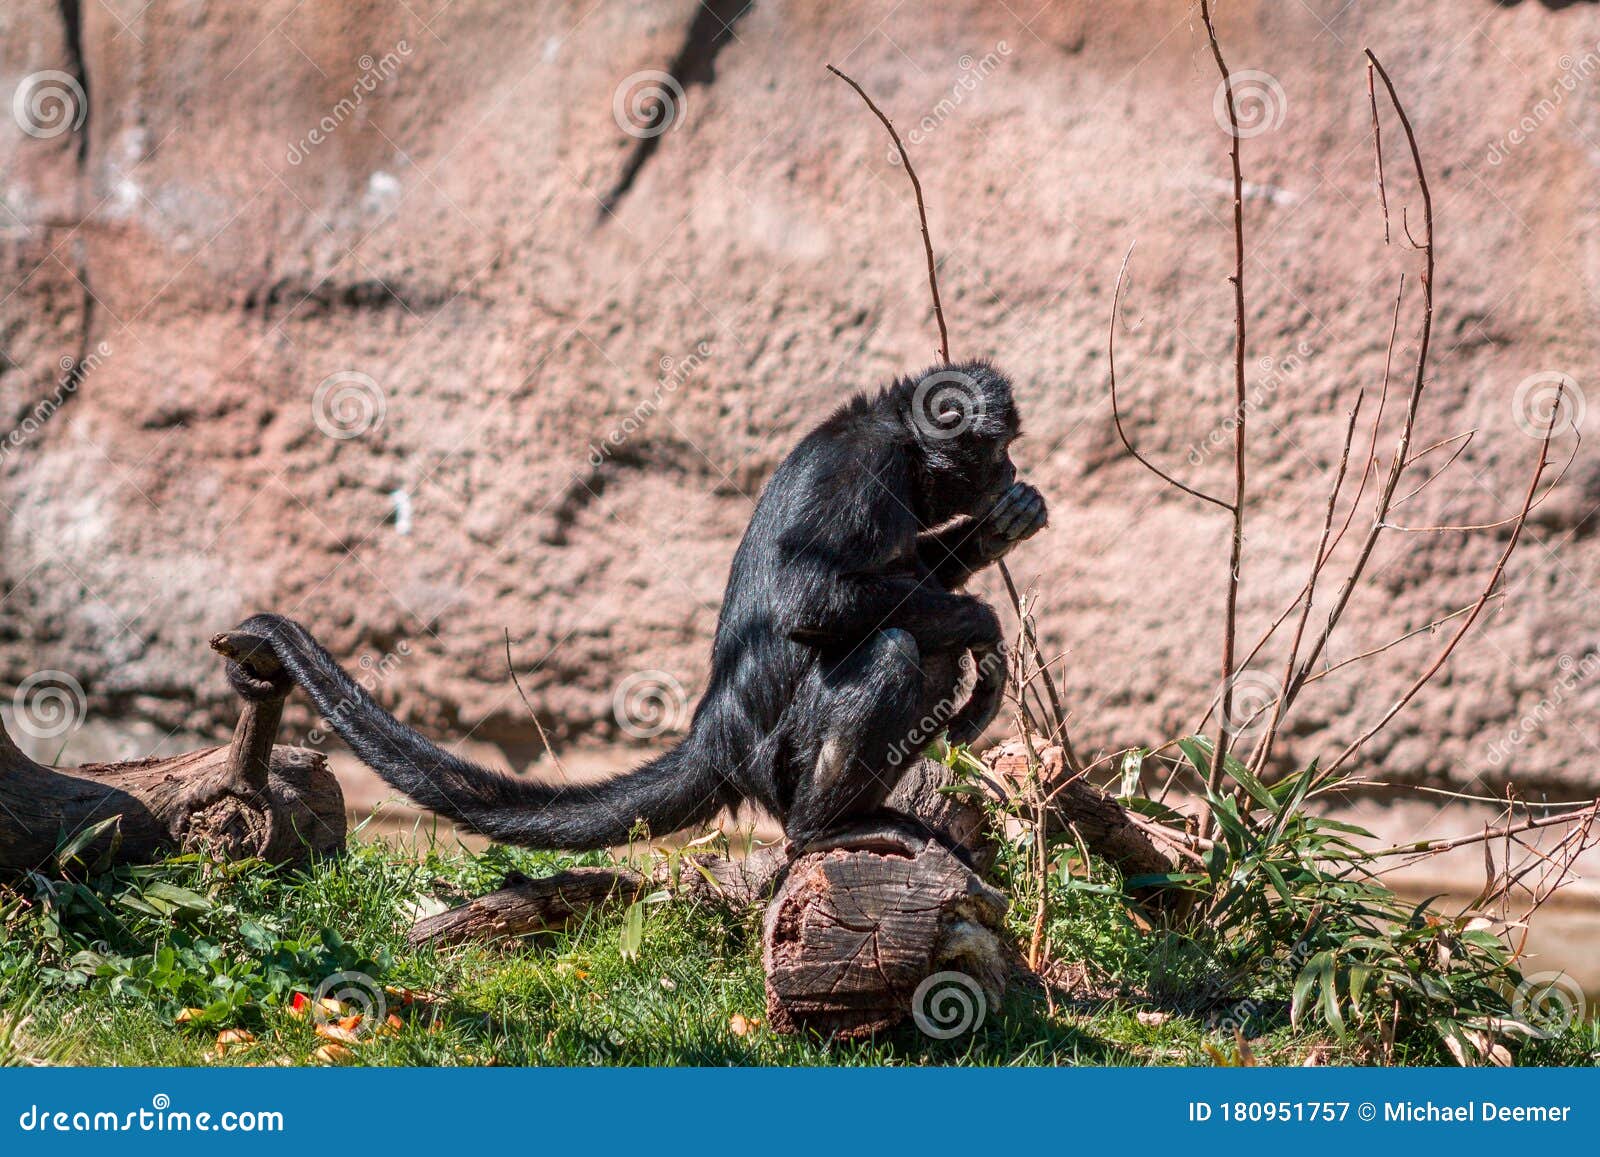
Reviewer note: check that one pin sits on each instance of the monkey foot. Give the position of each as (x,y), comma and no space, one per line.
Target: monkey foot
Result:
(887,836)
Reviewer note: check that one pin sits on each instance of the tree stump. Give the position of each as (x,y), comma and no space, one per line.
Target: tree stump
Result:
(867,929)
(248,799)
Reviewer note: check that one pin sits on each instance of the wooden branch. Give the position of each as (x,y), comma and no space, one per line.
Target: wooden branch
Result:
(1402,451)
(922,212)
(1116,410)
(1230,626)
(249,799)
(1426,848)
(1472,616)
(522,907)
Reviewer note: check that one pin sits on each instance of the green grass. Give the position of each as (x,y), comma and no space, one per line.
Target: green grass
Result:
(100,971)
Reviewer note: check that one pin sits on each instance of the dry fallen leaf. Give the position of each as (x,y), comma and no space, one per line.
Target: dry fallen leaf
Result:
(1486,1050)
(351,1022)
(409,996)
(233,1036)
(741,1025)
(333,1054)
(189,1014)
(391,1025)
(337,1032)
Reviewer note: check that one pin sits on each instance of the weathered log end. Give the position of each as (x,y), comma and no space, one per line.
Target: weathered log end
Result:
(857,938)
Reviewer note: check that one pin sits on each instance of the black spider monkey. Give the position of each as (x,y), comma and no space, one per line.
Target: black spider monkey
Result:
(838,649)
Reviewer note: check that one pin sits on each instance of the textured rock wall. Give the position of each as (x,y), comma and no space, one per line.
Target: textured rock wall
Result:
(395,326)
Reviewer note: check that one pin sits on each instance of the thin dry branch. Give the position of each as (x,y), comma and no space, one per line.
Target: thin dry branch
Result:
(1377,151)
(1508,520)
(532,714)
(1424,849)
(1230,627)
(1281,701)
(1413,401)
(1426,628)
(1464,438)
(922,212)
(1116,410)
(1041,669)
(1472,617)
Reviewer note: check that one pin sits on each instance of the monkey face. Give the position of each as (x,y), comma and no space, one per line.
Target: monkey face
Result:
(963,421)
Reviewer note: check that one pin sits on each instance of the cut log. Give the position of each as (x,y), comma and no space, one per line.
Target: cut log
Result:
(863,934)
(249,799)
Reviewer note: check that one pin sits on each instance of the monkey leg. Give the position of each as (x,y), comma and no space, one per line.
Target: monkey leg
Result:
(865,708)
(986,699)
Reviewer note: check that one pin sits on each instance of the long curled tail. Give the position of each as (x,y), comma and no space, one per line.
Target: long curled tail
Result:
(667,794)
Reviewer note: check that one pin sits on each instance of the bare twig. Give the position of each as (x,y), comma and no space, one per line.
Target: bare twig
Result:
(532,714)
(1465,440)
(1236,546)
(1472,615)
(922,212)
(1507,521)
(1395,642)
(1116,410)
(1427,848)
(1377,151)
(1030,642)
(1402,450)
(1308,593)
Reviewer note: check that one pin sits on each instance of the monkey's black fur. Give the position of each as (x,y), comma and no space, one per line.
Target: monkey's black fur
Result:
(837,652)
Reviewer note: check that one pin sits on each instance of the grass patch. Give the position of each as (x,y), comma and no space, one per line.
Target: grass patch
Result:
(101,968)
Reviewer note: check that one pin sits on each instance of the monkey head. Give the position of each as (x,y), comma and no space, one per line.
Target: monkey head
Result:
(962,421)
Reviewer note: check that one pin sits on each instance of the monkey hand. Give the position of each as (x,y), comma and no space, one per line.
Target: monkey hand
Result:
(1019,514)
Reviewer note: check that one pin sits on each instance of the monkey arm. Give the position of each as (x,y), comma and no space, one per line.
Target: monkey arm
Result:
(956,552)
(854,606)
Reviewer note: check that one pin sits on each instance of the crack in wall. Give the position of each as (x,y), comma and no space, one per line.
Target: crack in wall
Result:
(695,64)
